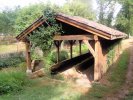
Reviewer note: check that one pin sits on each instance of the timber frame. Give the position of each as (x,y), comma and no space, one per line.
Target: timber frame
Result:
(96,52)
(90,32)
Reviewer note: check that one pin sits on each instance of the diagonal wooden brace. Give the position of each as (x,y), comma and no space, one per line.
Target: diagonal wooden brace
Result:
(90,47)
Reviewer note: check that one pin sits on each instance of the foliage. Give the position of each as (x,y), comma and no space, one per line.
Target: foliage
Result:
(84,49)
(7,21)
(19,18)
(106,11)
(111,55)
(125,17)
(63,56)
(26,16)
(43,37)
(81,8)
(12,82)
(11,59)
(54,89)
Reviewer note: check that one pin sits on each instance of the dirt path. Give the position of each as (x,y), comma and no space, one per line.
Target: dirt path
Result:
(124,91)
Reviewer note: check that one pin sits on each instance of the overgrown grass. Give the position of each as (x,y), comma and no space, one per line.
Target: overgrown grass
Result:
(11,59)
(116,77)
(45,89)
(12,81)
(49,88)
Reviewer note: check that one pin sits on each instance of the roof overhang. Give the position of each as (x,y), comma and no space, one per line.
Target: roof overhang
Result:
(78,24)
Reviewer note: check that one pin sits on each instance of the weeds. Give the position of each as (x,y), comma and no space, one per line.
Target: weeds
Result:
(12,81)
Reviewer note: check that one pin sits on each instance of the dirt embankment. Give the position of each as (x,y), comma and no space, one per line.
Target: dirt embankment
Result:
(124,91)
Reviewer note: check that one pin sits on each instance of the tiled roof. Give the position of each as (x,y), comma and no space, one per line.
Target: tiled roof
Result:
(79,22)
(94,25)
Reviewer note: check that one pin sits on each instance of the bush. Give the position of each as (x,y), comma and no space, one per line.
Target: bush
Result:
(11,59)
(63,56)
(12,82)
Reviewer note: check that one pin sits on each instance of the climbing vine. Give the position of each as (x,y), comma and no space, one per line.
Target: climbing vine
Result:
(43,37)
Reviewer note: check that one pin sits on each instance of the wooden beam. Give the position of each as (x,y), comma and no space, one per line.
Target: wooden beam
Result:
(90,47)
(74,37)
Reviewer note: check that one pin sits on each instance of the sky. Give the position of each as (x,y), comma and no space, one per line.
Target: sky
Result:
(4,4)
(12,3)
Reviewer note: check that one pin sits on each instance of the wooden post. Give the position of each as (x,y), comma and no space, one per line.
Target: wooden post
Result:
(57,44)
(99,61)
(28,58)
(80,41)
(71,42)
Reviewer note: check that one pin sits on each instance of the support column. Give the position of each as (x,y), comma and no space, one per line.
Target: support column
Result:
(57,44)
(28,58)
(71,42)
(99,61)
(80,44)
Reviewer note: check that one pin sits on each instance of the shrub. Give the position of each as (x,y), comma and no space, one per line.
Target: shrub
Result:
(12,82)
(11,59)
(63,56)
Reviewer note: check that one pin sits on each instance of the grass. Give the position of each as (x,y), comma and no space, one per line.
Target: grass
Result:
(11,48)
(49,88)
(44,89)
(116,78)
(12,81)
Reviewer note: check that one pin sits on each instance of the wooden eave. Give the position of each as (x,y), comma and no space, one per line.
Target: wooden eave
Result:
(85,27)
(31,28)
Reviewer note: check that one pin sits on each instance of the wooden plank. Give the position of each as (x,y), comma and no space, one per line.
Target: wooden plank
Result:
(74,37)
(90,47)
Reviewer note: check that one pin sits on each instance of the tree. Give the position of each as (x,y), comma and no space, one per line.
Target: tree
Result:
(124,21)
(43,37)
(7,21)
(27,16)
(106,11)
(79,8)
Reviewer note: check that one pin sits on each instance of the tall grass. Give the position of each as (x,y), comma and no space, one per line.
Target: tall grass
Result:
(12,81)
(11,59)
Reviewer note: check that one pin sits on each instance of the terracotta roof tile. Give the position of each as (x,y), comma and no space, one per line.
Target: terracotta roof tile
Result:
(95,25)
